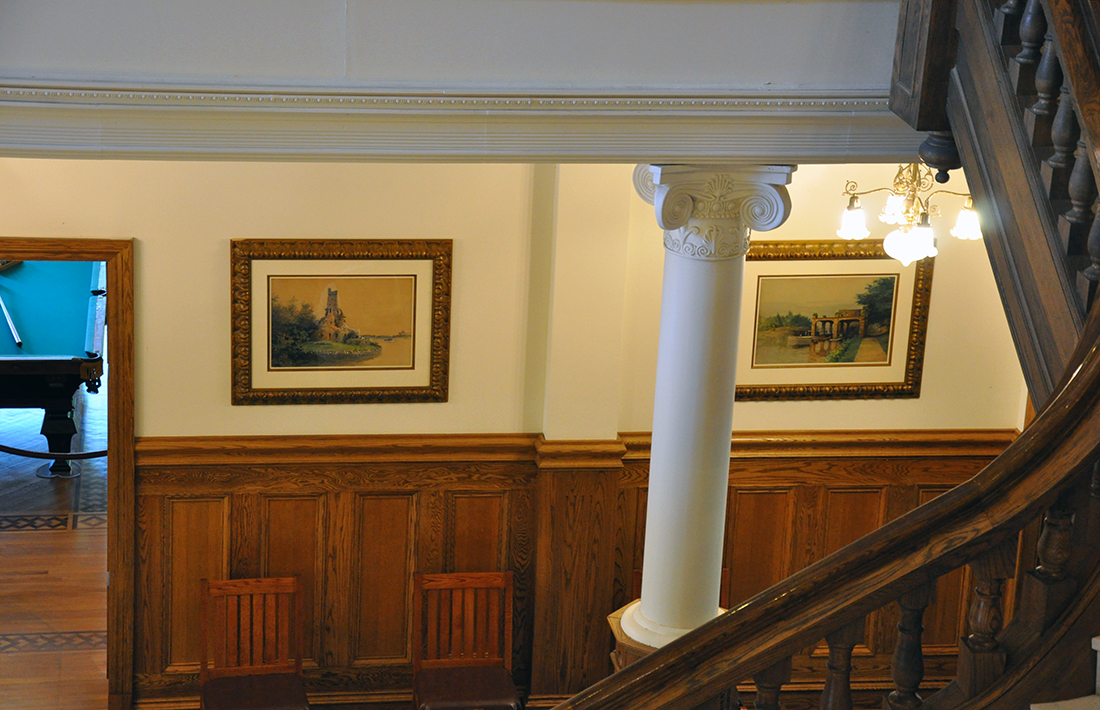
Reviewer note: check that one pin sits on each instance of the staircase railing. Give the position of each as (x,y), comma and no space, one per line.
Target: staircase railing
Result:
(1049,471)
(972,524)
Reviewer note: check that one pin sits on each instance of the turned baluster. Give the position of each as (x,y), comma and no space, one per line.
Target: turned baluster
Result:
(1048,84)
(1082,194)
(1033,29)
(907,669)
(1089,279)
(768,682)
(981,656)
(1054,546)
(837,693)
(1048,80)
(1065,131)
(1008,21)
(1047,589)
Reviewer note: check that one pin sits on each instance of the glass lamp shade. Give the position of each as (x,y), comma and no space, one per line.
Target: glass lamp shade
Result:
(853,225)
(967,226)
(910,246)
(894,211)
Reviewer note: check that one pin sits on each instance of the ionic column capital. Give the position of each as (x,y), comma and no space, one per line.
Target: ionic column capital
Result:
(708,210)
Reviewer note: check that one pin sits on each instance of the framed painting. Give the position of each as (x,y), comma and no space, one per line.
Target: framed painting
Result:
(340,322)
(831,320)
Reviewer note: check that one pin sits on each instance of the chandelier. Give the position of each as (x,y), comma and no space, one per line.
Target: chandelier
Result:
(909,211)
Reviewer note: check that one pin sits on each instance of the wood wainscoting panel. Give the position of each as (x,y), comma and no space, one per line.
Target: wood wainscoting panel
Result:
(292,534)
(386,536)
(945,617)
(758,528)
(356,516)
(151,614)
(198,548)
(474,531)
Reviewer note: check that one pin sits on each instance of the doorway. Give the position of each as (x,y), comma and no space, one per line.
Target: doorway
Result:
(120,501)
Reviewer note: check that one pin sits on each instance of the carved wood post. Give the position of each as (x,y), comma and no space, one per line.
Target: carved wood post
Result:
(907,668)
(981,656)
(1048,84)
(837,693)
(1089,278)
(1048,588)
(1007,22)
(1033,29)
(1074,225)
(768,682)
(1065,132)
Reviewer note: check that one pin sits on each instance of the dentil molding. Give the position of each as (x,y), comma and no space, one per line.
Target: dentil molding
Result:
(39,119)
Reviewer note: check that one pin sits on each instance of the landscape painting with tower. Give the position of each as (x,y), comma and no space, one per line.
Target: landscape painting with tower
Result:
(341,322)
(824,320)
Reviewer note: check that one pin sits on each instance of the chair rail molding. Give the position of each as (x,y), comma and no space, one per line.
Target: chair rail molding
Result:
(161,121)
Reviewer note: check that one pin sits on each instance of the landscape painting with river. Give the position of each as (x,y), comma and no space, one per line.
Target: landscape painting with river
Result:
(824,320)
(341,322)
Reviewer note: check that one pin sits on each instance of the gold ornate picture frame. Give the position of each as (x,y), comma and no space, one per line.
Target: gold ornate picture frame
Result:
(831,320)
(340,321)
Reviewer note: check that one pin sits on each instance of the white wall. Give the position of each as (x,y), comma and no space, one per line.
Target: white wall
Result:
(183,216)
(972,378)
(602,45)
(544,258)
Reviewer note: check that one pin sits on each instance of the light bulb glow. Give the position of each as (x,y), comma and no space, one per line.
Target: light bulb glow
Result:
(967,226)
(894,211)
(914,245)
(853,225)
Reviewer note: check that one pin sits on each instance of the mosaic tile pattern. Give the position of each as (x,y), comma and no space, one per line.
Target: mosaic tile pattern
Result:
(9,523)
(55,641)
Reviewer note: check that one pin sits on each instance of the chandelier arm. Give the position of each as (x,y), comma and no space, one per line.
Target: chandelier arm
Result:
(853,193)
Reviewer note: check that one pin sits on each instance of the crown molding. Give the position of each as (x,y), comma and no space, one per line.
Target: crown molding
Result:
(69,119)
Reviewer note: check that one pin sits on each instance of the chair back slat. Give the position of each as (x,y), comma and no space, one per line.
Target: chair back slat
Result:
(492,619)
(445,624)
(468,628)
(271,628)
(257,630)
(283,629)
(231,629)
(462,619)
(431,615)
(249,626)
(219,640)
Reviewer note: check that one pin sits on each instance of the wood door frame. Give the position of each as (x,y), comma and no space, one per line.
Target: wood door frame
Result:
(119,256)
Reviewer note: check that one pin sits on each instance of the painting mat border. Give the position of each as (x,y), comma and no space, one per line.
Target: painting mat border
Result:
(248,259)
(776,384)
(417,281)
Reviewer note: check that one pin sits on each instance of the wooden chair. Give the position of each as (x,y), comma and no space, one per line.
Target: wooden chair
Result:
(462,642)
(252,628)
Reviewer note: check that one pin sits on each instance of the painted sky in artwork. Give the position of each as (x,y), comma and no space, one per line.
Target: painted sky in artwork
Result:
(373,305)
(824,295)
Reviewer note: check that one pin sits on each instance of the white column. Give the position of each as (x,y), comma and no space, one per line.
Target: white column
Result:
(706,212)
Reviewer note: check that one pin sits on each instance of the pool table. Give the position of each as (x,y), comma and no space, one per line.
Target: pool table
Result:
(57,308)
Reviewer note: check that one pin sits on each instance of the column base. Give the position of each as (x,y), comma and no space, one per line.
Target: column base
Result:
(642,630)
(627,650)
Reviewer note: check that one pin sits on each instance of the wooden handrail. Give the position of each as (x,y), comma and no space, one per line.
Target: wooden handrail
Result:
(914,549)
(1077,34)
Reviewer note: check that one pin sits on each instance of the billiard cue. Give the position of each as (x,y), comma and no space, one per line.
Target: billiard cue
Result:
(11,326)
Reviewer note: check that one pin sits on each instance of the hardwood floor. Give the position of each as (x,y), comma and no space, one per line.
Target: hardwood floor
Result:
(53,577)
